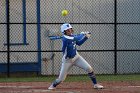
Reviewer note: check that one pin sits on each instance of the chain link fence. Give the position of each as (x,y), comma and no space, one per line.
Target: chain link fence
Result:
(112,49)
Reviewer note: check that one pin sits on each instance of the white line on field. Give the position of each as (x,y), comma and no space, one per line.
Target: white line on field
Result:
(16,86)
(40,91)
(55,91)
(128,87)
(134,86)
(117,87)
(36,90)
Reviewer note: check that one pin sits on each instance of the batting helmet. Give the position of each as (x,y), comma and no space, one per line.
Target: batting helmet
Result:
(65,26)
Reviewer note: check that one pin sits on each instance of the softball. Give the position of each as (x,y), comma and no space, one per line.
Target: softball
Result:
(64,12)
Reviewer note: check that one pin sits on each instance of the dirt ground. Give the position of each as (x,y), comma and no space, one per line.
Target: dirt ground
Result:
(71,87)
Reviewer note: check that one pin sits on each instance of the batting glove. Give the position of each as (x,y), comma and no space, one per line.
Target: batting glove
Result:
(85,33)
(88,35)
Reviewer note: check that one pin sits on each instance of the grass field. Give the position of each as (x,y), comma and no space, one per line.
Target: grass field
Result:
(132,77)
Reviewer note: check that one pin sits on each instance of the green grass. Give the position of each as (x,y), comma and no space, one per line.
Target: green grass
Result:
(73,78)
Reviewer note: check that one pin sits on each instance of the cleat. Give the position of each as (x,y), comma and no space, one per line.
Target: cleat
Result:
(52,87)
(98,86)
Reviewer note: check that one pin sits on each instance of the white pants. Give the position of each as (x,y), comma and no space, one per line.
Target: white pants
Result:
(68,63)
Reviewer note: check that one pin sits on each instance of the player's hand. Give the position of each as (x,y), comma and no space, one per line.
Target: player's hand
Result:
(82,33)
(85,33)
(88,35)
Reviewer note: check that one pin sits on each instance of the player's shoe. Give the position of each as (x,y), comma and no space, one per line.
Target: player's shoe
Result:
(98,86)
(52,87)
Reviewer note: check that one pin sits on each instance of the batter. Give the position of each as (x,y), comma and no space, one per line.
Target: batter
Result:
(71,56)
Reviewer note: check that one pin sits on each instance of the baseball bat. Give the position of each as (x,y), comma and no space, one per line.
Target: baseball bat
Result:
(59,37)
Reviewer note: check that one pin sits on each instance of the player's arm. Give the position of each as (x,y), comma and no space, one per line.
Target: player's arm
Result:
(82,39)
(80,42)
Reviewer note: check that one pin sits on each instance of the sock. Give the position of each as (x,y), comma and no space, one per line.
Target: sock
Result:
(92,77)
(55,83)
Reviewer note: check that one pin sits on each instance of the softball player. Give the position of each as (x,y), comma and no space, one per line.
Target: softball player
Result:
(71,56)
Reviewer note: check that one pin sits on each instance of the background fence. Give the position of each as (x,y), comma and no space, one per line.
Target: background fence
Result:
(113,48)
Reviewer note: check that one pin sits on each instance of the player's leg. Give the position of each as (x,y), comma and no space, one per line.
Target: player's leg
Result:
(66,65)
(82,63)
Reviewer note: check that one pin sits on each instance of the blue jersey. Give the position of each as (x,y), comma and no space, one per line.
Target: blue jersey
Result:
(70,42)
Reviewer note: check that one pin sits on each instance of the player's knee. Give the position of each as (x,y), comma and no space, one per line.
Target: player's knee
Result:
(89,69)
